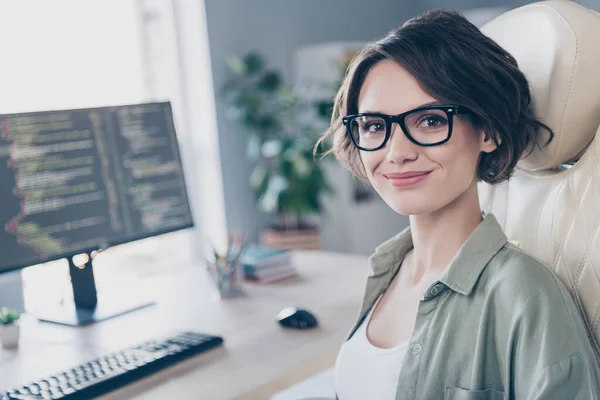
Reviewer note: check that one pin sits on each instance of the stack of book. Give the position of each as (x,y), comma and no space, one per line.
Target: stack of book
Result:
(304,239)
(266,264)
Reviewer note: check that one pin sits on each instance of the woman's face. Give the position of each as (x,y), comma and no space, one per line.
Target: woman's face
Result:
(450,167)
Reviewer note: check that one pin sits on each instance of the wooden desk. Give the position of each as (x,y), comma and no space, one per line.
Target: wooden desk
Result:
(258,358)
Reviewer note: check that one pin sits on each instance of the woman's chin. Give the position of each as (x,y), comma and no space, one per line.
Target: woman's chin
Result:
(409,206)
(410,210)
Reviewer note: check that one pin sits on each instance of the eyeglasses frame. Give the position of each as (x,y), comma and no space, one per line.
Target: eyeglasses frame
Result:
(449,109)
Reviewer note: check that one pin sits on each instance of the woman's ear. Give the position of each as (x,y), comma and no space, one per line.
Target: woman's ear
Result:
(487,142)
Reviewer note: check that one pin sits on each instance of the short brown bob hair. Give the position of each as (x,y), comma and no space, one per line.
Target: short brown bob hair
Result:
(457,64)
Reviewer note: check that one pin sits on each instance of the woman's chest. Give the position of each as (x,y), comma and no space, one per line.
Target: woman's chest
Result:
(393,320)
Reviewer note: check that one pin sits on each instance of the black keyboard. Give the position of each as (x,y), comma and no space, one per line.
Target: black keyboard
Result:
(115,370)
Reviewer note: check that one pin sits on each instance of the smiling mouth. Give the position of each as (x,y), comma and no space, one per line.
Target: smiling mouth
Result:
(402,182)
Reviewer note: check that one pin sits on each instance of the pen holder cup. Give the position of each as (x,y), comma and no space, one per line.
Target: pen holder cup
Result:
(228,278)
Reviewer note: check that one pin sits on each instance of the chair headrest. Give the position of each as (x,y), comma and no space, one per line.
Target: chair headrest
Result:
(557,46)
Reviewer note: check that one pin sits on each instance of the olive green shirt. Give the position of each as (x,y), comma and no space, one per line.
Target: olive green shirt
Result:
(496,325)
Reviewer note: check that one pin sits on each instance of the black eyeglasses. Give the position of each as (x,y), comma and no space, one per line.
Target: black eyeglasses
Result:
(425,126)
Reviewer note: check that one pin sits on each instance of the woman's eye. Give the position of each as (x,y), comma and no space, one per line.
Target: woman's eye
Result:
(374,127)
(432,121)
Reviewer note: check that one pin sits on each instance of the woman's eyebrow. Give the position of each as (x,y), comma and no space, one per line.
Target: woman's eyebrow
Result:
(429,103)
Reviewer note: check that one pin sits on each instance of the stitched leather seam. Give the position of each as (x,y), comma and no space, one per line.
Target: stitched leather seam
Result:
(562,118)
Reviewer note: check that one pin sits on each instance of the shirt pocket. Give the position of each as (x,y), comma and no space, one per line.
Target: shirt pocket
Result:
(456,393)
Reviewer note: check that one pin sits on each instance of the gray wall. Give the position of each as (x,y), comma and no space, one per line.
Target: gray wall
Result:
(468,4)
(592,4)
(11,291)
(277,28)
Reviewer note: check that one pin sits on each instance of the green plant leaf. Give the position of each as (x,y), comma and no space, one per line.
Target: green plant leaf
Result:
(261,187)
(270,201)
(236,64)
(250,100)
(301,166)
(258,177)
(253,147)
(287,95)
(254,62)
(231,88)
(8,316)
(270,82)
(324,109)
(271,148)
(267,122)
(235,113)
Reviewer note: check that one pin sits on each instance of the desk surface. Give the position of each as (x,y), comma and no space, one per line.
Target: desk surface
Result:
(258,357)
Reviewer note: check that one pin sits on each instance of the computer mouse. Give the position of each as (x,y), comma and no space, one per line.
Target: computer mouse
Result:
(296,318)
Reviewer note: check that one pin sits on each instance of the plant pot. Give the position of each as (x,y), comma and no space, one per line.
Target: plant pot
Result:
(292,239)
(9,336)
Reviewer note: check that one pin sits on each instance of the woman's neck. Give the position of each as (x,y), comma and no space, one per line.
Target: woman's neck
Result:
(438,236)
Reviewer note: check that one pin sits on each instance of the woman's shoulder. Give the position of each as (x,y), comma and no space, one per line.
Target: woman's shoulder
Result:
(516,274)
(529,297)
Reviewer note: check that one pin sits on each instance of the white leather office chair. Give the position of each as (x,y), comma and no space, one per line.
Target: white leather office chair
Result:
(550,210)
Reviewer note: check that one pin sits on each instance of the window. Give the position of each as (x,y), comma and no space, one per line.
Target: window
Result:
(72,54)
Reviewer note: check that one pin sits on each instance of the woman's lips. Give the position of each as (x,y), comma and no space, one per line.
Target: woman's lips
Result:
(399,182)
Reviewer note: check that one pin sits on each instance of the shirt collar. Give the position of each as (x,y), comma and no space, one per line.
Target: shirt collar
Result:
(466,266)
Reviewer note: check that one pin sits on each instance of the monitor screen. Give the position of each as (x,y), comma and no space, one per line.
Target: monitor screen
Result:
(77,180)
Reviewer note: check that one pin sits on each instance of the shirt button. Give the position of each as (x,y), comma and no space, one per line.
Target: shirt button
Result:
(436,289)
(416,349)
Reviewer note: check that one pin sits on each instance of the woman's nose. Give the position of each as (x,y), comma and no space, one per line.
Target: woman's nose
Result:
(399,147)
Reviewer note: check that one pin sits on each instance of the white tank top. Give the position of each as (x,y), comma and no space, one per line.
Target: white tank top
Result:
(363,371)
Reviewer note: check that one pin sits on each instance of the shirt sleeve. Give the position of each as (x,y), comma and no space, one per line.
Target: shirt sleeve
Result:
(572,378)
(552,357)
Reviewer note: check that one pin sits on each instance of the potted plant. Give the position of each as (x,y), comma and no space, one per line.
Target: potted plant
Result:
(289,183)
(9,328)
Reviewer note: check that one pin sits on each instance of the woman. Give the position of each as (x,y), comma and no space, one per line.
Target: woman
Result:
(452,310)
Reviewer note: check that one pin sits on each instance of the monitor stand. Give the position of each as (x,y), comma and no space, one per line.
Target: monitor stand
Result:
(86,309)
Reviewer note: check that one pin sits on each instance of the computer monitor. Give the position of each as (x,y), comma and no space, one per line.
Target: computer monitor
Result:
(73,182)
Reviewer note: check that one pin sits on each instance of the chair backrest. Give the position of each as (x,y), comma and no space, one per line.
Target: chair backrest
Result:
(550,209)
